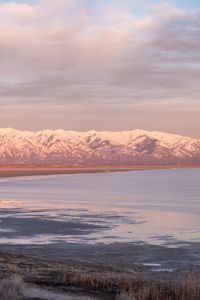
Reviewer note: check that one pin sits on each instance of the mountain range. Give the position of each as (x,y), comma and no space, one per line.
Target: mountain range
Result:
(60,147)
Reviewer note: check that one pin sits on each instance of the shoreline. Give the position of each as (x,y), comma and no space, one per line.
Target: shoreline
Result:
(5,173)
(75,167)
(21,171)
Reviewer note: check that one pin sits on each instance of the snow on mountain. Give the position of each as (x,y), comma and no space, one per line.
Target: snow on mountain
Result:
(60,147)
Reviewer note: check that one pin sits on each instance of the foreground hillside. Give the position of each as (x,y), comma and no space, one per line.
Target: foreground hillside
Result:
(59,147)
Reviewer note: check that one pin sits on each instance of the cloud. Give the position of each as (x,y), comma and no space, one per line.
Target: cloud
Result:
(73,51)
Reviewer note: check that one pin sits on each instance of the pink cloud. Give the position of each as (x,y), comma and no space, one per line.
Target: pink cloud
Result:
(61,52)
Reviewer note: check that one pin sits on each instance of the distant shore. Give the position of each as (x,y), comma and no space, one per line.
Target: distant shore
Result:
(16,171)
(53,171)
(97,166)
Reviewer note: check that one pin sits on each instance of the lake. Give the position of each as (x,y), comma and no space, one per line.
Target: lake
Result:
(151,207)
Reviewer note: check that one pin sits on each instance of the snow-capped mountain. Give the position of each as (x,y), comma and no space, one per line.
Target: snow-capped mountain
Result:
(59,147)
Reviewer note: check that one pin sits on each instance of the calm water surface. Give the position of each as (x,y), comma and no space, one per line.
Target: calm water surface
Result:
(155,206)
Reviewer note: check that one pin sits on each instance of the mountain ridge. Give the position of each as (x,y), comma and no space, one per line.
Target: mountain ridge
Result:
(61,147)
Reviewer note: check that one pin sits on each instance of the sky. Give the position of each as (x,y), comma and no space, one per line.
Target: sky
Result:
(100,64)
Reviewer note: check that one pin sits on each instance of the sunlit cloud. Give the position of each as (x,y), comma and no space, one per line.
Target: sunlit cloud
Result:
(79,54)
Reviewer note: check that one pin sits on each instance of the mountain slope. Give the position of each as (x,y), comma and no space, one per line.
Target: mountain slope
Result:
(59,147)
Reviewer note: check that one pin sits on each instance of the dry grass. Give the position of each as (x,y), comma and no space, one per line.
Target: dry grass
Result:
(12,269)
(90,279)
(11,288)
(125,296)
(177,289)
(105,282)
(126,286)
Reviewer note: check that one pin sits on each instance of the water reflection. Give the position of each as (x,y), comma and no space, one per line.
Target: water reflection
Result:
(156,206)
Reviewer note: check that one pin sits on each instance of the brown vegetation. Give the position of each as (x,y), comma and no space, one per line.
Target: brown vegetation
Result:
(11,288)
(187,288)
(101,282)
